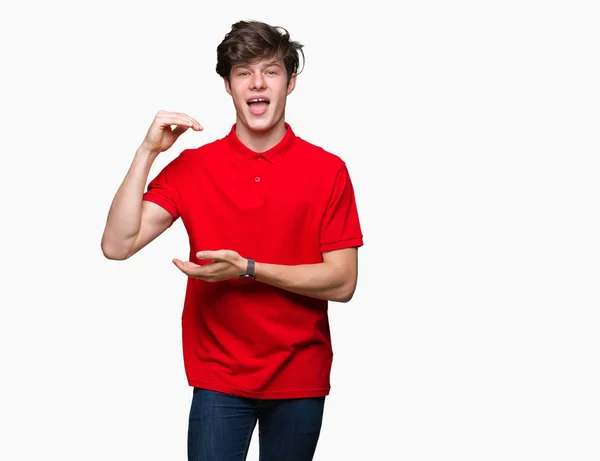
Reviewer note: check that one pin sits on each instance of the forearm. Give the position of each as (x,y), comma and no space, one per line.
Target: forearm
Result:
(125,214)
(323,280)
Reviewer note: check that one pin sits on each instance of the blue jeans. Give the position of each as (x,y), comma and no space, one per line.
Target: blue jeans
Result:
(221,426)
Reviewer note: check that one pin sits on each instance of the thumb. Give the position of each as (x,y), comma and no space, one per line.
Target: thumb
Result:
(212,255)
(203,255)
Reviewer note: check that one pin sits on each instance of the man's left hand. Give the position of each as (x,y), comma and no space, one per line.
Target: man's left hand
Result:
(227,264)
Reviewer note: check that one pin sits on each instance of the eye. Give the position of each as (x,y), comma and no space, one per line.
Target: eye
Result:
(242,73)
(271,72)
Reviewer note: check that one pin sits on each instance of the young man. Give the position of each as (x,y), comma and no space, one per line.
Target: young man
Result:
(273,231)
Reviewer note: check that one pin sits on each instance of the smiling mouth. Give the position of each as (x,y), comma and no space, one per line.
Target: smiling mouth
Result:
(258,106)
(257,100)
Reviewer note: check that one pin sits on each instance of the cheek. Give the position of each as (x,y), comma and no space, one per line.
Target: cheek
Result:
(277,96)
(281,99)
(238,99)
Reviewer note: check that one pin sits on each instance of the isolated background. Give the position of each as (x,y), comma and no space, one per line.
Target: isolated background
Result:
(470,130)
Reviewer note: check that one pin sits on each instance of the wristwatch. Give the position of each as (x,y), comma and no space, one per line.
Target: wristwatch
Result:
(249,270)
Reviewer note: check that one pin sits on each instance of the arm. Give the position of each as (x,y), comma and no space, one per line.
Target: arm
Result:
(334,279)
(132,223)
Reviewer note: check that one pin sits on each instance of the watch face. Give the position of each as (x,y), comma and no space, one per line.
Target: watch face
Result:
(246,278)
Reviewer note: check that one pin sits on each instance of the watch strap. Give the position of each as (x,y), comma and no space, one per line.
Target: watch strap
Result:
(249,269)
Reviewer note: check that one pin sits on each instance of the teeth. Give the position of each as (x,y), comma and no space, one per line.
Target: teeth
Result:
(258,100)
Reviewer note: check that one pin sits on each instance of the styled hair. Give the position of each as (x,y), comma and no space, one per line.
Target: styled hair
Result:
(251,41)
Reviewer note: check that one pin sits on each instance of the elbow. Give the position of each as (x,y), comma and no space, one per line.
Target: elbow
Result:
(342,299)
(112,253)
(345,293)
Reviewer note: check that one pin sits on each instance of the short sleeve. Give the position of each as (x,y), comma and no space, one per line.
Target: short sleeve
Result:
(164,189)
(340,227)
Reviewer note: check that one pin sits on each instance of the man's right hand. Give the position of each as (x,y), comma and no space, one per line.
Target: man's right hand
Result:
(161,136)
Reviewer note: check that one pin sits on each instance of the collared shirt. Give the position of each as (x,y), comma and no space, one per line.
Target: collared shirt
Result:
(287,206)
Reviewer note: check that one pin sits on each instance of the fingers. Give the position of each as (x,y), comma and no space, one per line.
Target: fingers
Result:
(166,118)
(211,272)
(191,265)
(177,118)
(188,268)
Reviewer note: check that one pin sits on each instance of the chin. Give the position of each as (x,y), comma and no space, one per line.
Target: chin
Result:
(260,125)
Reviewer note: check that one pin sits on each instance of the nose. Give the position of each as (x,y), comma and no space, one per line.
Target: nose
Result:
(258,81)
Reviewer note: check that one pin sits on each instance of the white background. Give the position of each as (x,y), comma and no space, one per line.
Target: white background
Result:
(470,130)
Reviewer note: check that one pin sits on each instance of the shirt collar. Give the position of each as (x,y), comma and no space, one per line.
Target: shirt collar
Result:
(242,152)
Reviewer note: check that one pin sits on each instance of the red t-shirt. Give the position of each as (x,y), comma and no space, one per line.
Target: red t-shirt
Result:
(283,206)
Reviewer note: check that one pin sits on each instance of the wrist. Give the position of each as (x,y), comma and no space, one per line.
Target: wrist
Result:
(247,268)
(143,159)
(241,266)
(144,152)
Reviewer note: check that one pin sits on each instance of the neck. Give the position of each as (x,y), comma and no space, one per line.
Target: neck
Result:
(260,141)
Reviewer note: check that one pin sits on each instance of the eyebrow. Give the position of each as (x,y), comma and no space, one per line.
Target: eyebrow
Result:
(263,66)
(272,63)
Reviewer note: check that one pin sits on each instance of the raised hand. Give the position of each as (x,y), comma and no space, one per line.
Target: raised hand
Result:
(165,129)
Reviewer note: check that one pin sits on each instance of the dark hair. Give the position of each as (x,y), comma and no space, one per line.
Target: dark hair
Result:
(251,41)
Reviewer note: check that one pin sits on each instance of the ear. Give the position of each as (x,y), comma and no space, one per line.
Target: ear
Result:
(291,84)
(227,87)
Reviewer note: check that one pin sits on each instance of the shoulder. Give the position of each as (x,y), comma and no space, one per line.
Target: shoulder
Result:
(203,153)
(319,156)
